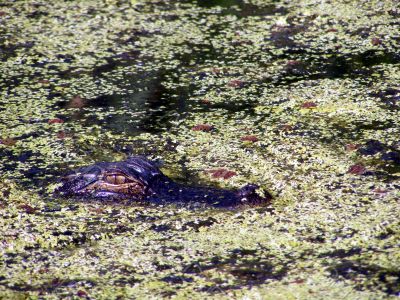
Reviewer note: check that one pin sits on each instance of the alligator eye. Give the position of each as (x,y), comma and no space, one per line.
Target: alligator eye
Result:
(116,179)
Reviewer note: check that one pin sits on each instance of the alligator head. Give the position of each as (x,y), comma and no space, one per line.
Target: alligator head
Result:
(140,179)
(126,179)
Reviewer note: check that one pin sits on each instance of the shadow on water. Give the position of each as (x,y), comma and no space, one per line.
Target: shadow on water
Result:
(146,105)
(332,65)
(247,268)
(212,3)
(386,279)
(148,109)
(240,8)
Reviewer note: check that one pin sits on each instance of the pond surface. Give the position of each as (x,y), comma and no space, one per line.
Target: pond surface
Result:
(303,99)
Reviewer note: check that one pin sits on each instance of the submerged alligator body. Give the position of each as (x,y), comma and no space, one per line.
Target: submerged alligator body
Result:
(139,179)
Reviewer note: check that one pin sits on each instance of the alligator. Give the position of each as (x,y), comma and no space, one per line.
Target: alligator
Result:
(139,179)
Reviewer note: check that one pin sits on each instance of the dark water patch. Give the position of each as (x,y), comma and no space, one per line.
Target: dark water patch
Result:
(164,107)
(151,7)
(54,95)
(240,8)
(10,51)
(355,65)
(128,56)
(229,106)
(176,279)
(199,54)
(160,228)
(249,273)
(332,66)
(388,232)
(149,108)
(389,155)
(248,9)
(30,170)
(390,97)
(282,36)
(37,14)
(318,239)
(134,35)
(341,253)
(109,66)
(131,280)
(114,61)
(377,277)
(49,286)
(389,172)
(371,147)
(371,58)
(221,3)
(196,225)
(162,267)
(51,207)
(374,125)
(66,58)
(106,100)
(246,266)
(241,252)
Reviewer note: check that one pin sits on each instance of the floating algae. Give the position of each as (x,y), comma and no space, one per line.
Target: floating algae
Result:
(301,98)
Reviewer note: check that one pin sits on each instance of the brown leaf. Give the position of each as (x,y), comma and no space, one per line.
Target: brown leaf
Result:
(76,102)
(236,83)
(249,138)
(97,210)
(81,294)
(286,127)
(380,191)
(56,281)
(298,281)
(28,209)
(43,270)
(357,169)
(61,135)
(309,105)
(293,63)
(216,71)
(55,121)
(222,173)
(376,41)
(8,142)
(203,127)
(352,147)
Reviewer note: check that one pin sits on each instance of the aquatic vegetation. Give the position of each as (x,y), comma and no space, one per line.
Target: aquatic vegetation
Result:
(298,97)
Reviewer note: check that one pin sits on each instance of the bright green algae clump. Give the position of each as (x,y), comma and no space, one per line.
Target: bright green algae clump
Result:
(295,94)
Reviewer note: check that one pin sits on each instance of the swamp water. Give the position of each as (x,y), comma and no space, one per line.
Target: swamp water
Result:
(303,99)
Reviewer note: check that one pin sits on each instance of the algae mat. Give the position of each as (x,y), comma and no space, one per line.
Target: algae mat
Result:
(299,97)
